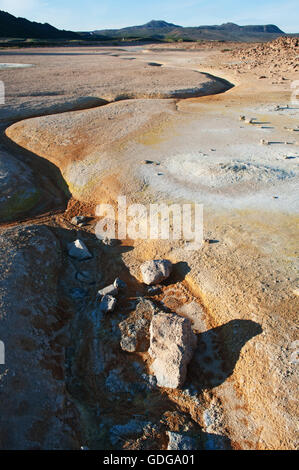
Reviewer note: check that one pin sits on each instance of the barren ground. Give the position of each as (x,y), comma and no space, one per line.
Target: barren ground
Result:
(59,159)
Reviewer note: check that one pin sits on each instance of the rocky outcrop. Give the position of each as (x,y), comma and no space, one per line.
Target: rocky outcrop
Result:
(37,412)
(172,344)
(18,192)
(280,53)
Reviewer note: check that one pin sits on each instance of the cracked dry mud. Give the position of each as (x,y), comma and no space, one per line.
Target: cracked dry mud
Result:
(66,382)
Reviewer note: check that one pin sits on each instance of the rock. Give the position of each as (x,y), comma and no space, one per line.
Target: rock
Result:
(119,284)
(108,290)
(107,304)
(78,250)
(155,271)
(172,344)
(109,241)
(150,380)
(83,276)
(115,384)
(76,293)
(79,220)
(112,289)
(180,441)
(132,427)
(135,329)
(154,290)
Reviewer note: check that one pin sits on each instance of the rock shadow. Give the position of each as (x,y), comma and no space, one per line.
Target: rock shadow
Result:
(218,351)
(179,273)
(52,187)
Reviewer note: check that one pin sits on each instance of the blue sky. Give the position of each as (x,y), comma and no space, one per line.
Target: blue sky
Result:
(88,15)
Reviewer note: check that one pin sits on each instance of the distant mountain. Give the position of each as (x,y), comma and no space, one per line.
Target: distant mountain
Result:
(12,27)
(154,24)
(227,31)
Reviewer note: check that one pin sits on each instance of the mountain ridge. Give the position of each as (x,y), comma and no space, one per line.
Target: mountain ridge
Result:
(160,29)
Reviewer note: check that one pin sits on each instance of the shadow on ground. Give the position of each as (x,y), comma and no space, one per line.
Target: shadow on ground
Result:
(48,179)
(218,352)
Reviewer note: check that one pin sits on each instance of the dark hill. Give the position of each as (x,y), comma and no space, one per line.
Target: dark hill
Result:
(12,27)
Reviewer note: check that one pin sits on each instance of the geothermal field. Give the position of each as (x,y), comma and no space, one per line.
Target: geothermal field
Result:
(149,343)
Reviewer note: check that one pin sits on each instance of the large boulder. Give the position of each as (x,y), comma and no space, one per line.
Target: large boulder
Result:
(155,271)
(172,344)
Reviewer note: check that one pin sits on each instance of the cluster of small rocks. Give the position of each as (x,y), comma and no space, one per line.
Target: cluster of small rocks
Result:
(108,294)
(167,337)
(282,52)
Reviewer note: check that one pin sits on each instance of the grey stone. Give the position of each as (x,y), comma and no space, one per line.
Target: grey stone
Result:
(180,441)
(78,250)
(155,271)
(108,290)
(172,344)
(132,427)
(119,284)
(109,241)
(150,380)
(107,304)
